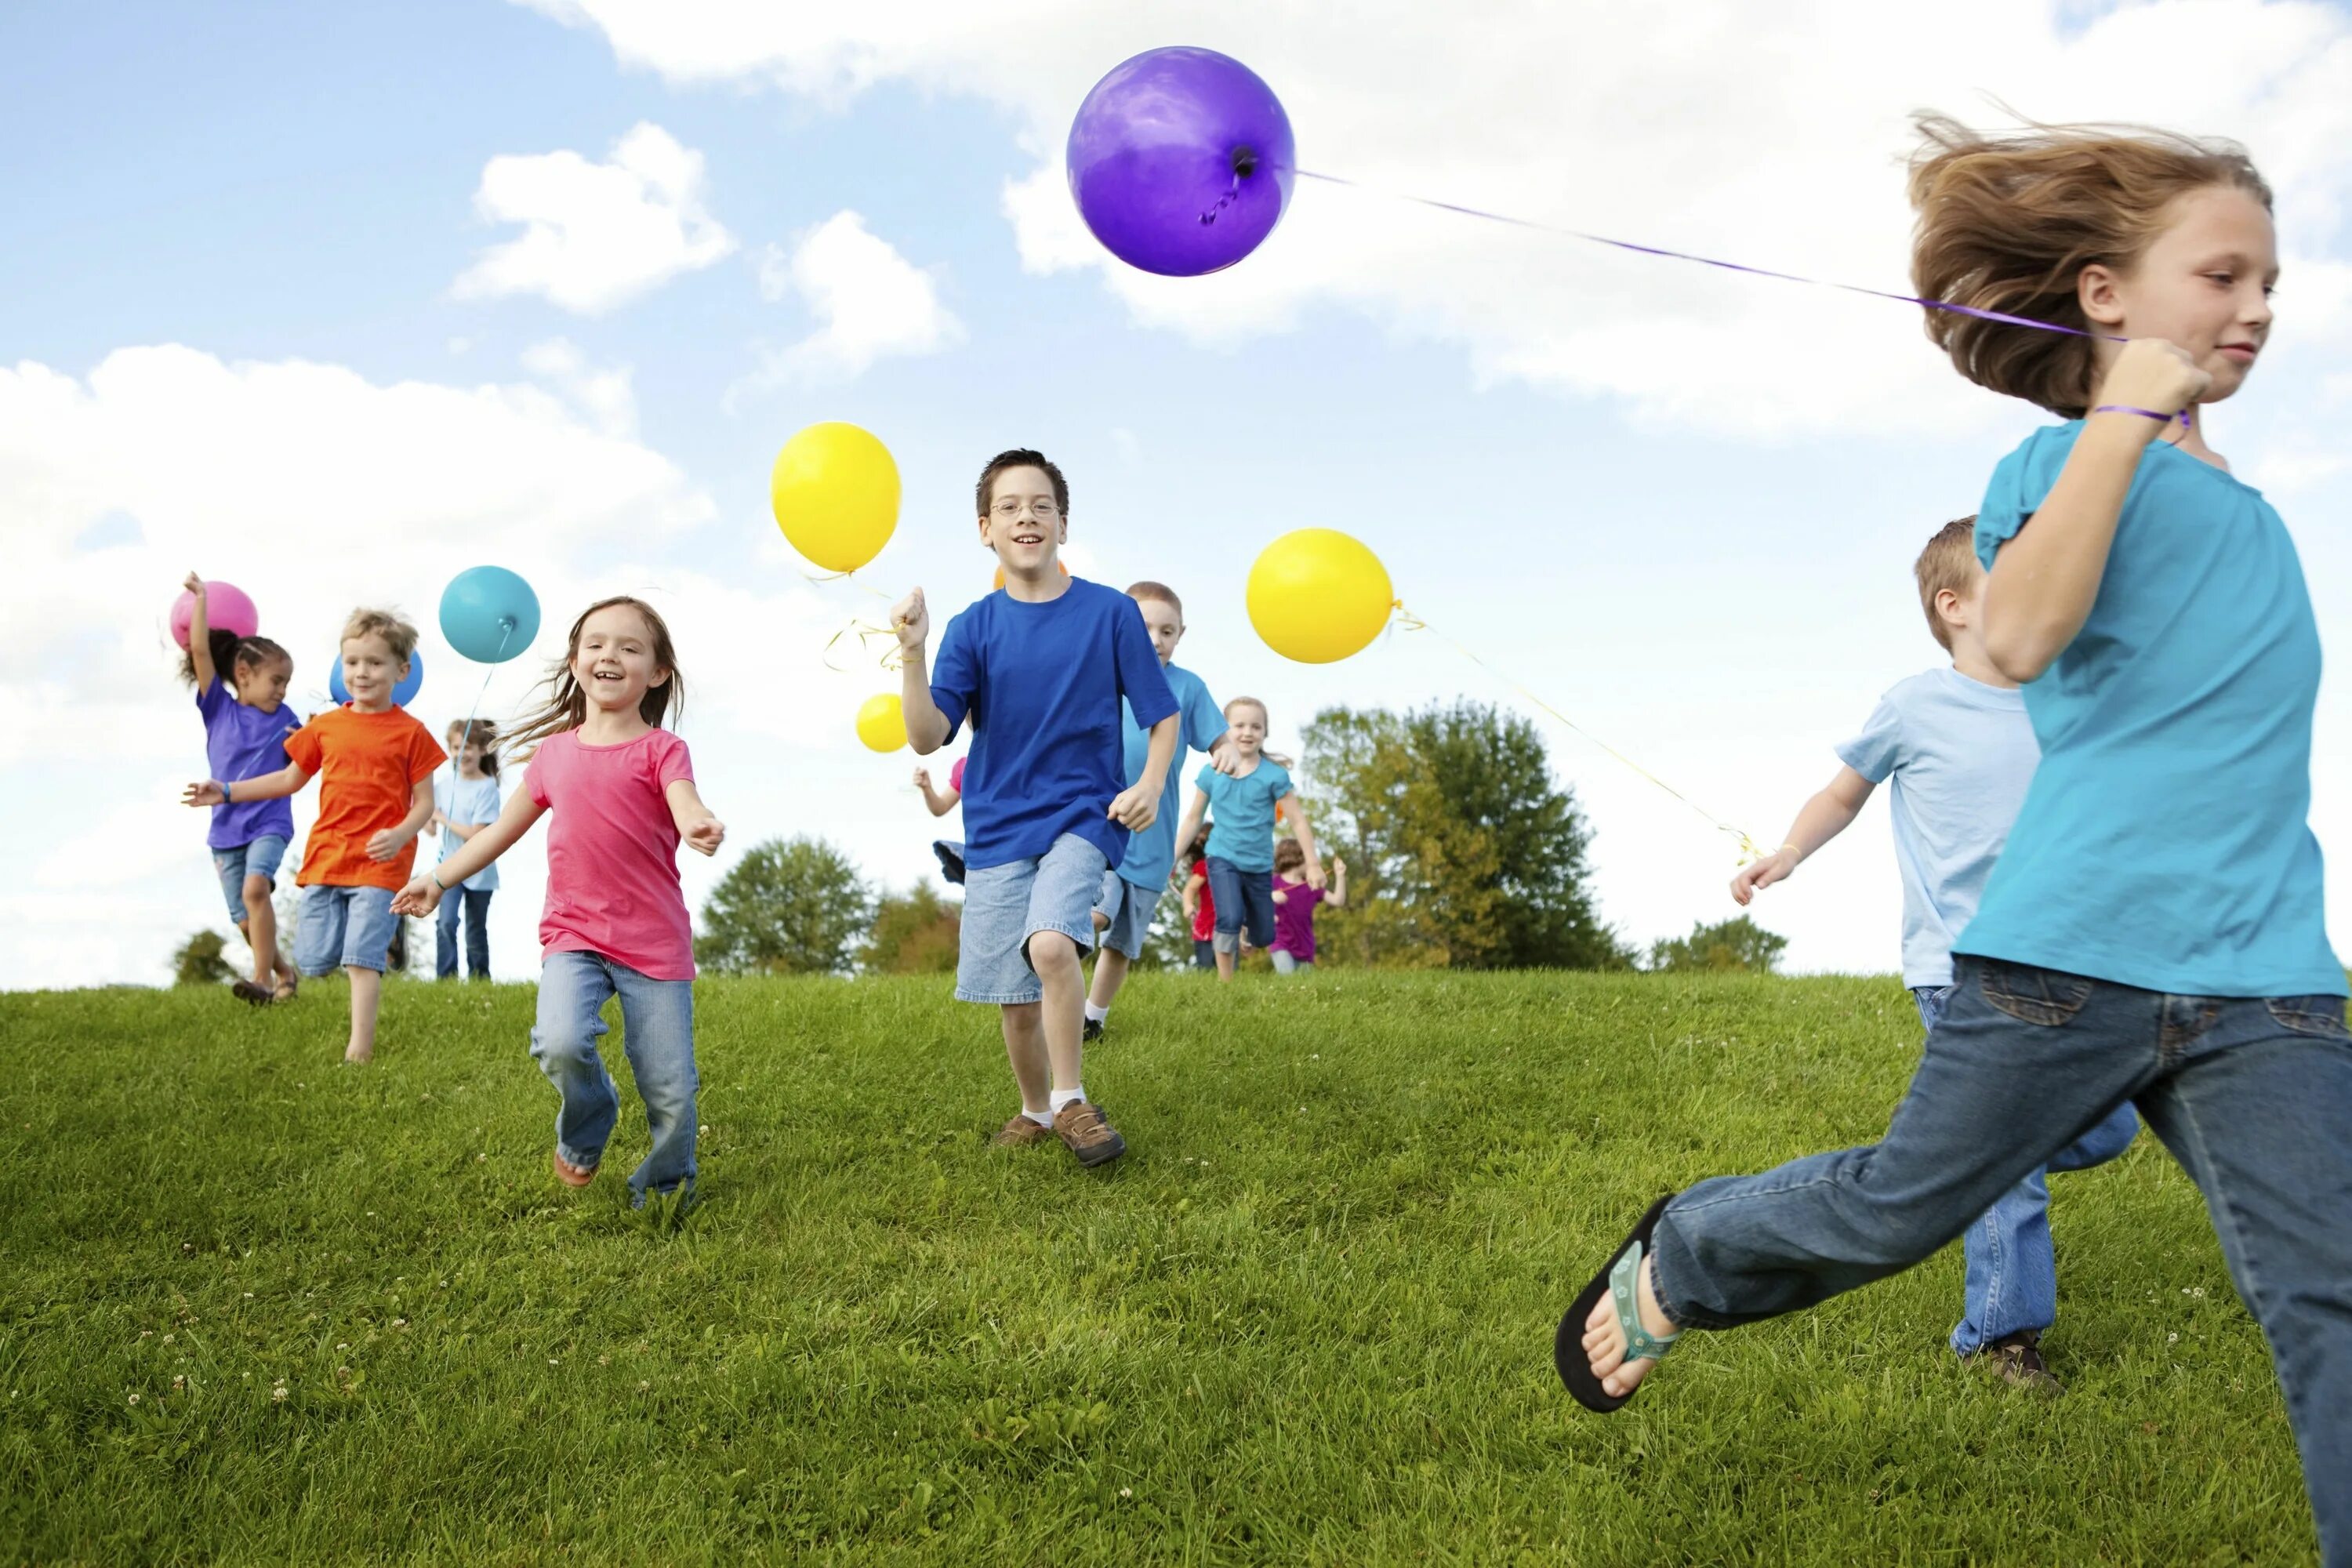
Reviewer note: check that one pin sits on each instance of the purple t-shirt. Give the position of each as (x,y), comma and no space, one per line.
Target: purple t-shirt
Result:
(242,743)
(1293,919)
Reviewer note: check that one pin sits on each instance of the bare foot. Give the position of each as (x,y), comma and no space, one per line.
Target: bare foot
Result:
(572,1176)
(359,1053)
(1604,1338)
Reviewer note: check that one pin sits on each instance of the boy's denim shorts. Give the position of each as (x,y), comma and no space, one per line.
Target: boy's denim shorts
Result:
(260,857)
(1004,906)
(1128,908)
(346,928)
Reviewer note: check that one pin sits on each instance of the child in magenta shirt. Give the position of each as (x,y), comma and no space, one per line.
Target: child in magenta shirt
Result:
(622,791)
(1294,907)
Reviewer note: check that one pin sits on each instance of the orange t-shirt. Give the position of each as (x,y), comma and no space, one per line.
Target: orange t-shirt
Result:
(367,764)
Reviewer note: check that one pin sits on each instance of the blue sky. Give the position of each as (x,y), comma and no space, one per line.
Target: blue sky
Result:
(1680,506)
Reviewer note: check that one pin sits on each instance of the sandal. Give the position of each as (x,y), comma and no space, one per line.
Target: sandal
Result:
(247,992)
(1621,1282)
(286,989)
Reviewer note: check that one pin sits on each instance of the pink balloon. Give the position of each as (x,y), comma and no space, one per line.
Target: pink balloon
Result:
(226,606)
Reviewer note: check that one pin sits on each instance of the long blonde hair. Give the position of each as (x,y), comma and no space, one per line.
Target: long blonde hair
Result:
(566,706)
(2008,223)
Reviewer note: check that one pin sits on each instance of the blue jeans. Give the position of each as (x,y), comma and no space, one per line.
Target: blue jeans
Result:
(2013,1268)
(658,1018)
(2251,1095)
(476,908)
(1243,900)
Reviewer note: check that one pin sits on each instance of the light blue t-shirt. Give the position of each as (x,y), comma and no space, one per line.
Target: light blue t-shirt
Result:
(2164,842)
(472,802)
(1961,753)
(1152,854)
(1042,684)
(1240,814)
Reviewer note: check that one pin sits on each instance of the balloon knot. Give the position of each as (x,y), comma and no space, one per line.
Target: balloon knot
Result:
(1245,163)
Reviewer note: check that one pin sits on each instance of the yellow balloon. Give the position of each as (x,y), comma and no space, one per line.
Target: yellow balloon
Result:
(835,492)
(1318,595)
(882,724)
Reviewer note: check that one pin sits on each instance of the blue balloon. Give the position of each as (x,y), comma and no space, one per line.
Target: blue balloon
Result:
(403,694)
(489,614)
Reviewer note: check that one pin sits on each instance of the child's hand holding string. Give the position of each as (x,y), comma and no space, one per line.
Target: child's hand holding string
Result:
(911,619)
(1758,875)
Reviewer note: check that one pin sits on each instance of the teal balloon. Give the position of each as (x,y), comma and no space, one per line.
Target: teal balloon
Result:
(403,694)
(489,614)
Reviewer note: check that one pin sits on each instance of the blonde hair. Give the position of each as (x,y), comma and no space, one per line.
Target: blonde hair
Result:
(1147,589)
(2008,223)
(566,705)
(396,632)
(1950,562)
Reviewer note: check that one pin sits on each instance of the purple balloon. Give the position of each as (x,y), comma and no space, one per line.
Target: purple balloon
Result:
(1181,160)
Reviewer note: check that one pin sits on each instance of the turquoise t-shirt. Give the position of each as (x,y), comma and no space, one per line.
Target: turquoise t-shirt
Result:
(1152,854)
(2164,842)
(1240,814)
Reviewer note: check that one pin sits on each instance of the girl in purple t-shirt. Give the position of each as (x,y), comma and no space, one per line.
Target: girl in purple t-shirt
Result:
(240,685)
(1294,907)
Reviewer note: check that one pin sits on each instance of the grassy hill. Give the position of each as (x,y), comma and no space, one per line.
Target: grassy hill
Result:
(258,1306)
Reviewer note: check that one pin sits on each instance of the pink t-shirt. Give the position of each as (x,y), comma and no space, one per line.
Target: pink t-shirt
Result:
(612,852)
(955,774)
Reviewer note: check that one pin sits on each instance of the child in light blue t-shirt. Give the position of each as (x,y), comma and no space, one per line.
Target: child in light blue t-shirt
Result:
(466,801)
(1241,843)
(1960,753)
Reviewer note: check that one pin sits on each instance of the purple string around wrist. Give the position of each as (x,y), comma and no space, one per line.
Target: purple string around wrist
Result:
(2143,413)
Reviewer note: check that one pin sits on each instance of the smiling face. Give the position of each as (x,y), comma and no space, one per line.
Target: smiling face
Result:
(1023,524)
(371,670)
(614,660)
(261,683)
(2204,283)
(464,744)
(1245,723)
(1165,622)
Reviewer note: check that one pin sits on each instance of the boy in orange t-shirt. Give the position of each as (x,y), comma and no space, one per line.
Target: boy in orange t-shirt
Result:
(376,765)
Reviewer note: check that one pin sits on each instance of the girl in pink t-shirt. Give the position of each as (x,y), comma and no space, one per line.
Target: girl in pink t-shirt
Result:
(622,793)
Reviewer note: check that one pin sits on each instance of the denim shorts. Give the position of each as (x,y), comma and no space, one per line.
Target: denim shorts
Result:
(1130,910)
(345,928)
(260,857)
(1004,906)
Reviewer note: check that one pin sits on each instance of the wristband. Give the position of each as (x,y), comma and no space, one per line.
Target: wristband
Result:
(228,793)
(2143,413)
(433,875)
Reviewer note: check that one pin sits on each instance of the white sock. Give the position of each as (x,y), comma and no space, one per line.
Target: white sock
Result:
(1096,1015)
(1061,1097)
(1042,1118)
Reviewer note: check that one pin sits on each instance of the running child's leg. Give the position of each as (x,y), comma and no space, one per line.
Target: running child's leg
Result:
(445,921)
(369,926)
(477,934)
(572,990)
(1025,1047)
(260,927)
(657,1024)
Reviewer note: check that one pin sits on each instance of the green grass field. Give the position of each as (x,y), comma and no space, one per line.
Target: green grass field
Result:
(256,1306)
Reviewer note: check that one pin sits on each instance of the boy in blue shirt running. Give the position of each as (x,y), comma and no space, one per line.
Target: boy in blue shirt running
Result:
(1960,751)
(1042,668)
(1132,892)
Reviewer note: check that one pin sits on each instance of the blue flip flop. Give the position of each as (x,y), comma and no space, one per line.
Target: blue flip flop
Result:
(1621,1282)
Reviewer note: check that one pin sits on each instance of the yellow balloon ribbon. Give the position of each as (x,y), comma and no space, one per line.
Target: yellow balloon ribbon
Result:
(1749,850)
(892,660)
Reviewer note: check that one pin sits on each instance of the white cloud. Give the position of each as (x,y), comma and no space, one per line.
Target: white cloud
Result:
(1775,142)
(869,303)
(596,236)
(605,395)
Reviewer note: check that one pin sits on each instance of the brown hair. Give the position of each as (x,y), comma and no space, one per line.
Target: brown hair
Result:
(1948,561)
(396,632)
(566,706)
(482,730)
(1147,589)
(1289,853)
(1020,458)
(2008,223)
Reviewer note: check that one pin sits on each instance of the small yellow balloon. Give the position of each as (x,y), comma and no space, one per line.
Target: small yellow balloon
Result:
(1317,594)
(835,492)
(882,724)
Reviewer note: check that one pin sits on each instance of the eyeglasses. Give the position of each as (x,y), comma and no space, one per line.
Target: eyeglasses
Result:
(1011,508)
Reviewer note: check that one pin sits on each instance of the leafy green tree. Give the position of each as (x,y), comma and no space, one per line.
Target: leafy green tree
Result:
(1727,944)
(199,962)
(914,933)
(791,906)
(1462,851)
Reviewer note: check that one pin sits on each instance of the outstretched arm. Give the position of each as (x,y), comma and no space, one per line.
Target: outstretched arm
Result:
(1337,897)
(926,727)
(940,801)
(263,786)
(1828,813)
(702,831)
(423,891)
(200,636)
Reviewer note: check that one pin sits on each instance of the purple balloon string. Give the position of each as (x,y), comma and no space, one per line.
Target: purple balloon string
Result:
(1956,310)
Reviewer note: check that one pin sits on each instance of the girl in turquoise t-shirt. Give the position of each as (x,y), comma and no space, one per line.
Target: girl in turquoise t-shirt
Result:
(2154,931)
(1241,839)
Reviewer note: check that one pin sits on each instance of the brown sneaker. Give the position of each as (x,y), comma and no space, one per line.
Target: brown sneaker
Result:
(1020,1133)
(572,1176)
(1093,1140)
(2018,1359)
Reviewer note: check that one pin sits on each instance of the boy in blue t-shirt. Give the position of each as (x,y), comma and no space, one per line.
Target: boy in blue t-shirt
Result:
(1241,843)
(1960,751)
(1042,668)
(1132,891)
